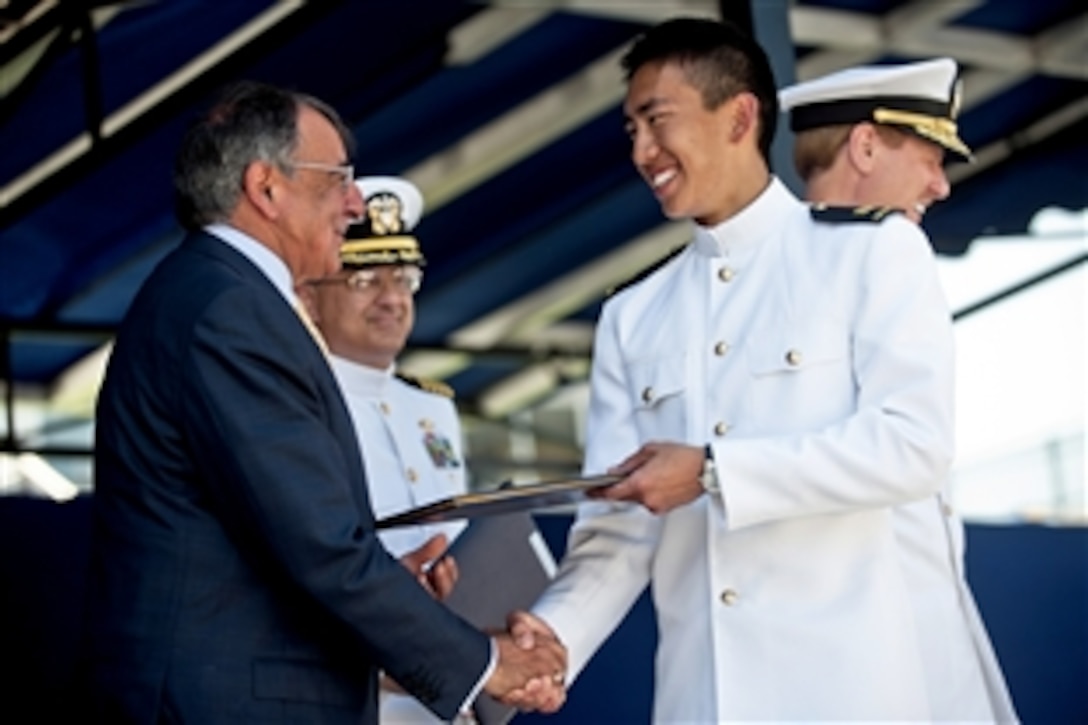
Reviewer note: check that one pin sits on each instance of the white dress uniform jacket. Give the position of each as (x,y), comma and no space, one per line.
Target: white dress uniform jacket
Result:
(816,360)
(411,445)
(964,682)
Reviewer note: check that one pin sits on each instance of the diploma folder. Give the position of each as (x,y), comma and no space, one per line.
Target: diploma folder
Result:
(508,498)
(504,565)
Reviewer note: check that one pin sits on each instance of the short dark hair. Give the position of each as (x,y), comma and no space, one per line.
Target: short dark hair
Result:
(249,122)
(719,59)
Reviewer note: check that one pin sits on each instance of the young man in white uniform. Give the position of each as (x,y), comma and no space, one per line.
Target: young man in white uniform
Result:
(408,429)
(872,137)
(772,392)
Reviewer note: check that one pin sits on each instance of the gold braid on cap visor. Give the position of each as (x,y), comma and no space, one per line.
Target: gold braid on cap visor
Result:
(941,131)
(382,250)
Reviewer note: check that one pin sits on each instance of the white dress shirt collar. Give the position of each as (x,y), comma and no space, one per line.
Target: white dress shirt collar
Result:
(263,258)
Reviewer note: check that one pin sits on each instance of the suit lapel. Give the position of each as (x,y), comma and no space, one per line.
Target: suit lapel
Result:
(336,412)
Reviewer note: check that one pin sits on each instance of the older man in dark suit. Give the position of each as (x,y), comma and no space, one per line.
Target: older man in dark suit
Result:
(236,573)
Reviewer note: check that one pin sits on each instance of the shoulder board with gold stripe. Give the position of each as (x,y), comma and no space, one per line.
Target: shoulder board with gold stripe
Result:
(427,385)
(848,214)
(639,276)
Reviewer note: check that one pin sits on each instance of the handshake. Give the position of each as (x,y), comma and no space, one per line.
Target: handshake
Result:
(532,669)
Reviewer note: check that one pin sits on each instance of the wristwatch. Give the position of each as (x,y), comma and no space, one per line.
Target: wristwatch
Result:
(709,477)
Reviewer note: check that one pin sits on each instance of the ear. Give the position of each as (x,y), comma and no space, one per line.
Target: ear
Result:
(260,189)
(862,146)
(745,116)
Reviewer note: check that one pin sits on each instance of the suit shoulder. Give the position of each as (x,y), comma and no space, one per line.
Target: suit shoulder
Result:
(852,214)
(644,273)
(427,385)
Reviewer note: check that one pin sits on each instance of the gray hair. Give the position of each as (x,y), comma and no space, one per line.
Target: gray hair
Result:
(250,122)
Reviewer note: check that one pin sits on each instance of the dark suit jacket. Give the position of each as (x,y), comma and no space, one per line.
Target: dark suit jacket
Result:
(236,575)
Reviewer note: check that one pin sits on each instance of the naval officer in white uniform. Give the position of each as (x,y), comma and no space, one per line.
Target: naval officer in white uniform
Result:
(408,429)
(772,391)
(872,137)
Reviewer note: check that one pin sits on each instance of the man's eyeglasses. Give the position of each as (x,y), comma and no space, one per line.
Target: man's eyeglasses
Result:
(406,278)
(346,172)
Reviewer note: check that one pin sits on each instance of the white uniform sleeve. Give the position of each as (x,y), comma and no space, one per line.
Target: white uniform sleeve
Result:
(607,564)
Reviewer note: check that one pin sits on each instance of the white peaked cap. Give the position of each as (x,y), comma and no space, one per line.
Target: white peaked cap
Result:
(384,235)
(411,200)
(920,97)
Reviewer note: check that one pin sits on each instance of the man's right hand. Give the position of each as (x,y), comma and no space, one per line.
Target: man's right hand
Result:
(529,678)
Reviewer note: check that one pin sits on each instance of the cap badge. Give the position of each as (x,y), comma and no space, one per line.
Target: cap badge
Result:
(384,212)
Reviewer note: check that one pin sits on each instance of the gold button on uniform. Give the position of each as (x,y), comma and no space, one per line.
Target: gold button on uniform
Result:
(721,348)
(946,509)
(793,357)
(385,407)
(726,274)
(721,428)
(647,394)
(412,475)
(729,597)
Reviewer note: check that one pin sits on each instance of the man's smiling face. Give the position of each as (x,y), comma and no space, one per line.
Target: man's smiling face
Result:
(681,148)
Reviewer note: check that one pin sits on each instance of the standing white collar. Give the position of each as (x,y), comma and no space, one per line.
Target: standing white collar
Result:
(744,230)
(361,380)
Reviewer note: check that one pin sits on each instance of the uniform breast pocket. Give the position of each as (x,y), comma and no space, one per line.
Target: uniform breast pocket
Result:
(656,387)
(801,376)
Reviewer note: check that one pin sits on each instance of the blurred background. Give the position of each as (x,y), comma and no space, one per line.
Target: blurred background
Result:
(507,115)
